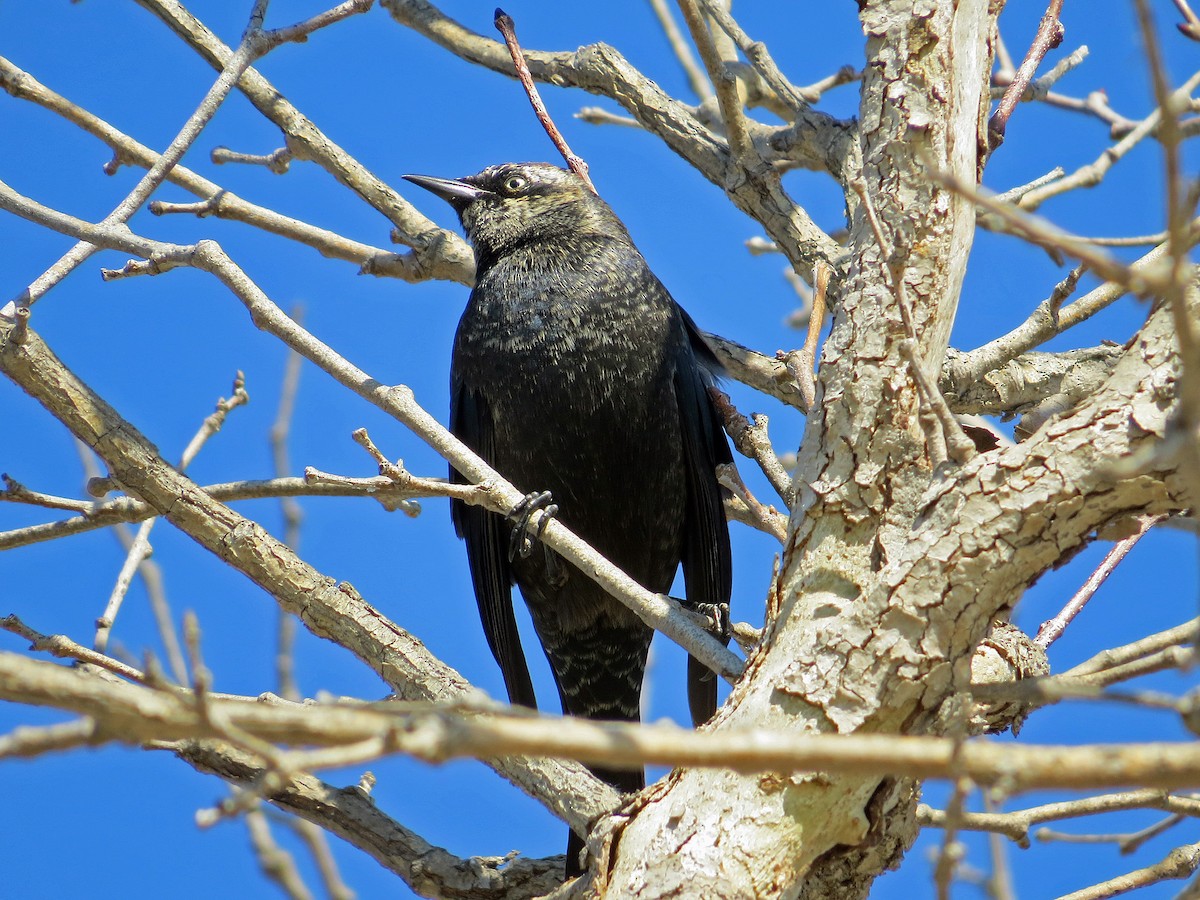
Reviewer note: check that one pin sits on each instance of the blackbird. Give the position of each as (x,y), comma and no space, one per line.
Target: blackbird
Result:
(578,377)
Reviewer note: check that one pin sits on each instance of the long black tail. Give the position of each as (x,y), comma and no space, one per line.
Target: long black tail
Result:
(598,669)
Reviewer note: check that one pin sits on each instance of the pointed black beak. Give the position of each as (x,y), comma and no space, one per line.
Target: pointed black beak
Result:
(457,193)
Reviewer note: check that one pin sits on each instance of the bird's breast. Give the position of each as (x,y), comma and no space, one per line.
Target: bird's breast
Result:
(576,363)
(565,324)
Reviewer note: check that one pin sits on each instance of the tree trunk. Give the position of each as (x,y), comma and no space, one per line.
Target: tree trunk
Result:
(892,572)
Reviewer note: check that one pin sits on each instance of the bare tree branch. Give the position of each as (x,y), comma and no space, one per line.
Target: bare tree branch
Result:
(138,715)
(599,69)
(353,816)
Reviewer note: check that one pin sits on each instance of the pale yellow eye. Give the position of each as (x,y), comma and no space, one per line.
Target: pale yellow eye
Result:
(515,183)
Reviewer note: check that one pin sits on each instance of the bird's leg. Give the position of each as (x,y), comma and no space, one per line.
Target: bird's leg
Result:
(521,543)
(556,572)
(717,621)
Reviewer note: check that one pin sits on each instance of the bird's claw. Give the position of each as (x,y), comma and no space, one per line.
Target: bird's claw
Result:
(521,542)
(718,613)
(719,624)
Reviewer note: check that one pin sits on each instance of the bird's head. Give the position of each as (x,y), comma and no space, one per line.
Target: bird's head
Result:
(509,205)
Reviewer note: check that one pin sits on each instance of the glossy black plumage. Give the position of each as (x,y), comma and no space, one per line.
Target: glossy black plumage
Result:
(574,371)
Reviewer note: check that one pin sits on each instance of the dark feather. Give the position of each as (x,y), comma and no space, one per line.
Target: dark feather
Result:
(706,558)
(487,551)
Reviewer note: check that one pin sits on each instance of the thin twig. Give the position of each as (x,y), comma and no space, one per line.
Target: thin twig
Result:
(740,145)
(750,439)
(1181,635)
(1005,64)
(316,839)
(811,93)
(277,161)
(1040,87)
(1127,841)
(1133,240)
(139,550)
(390,495)
(1179,863)
(1093,173)
(737,509)
(1041,233)
(1000,882)
(1178,657)
(682,50)
(1012,195)
(765,518)
(276,863)
(293,515)
(505,25)
(149,571)
(1049,35)
(758,55)
(15,492)
(950,853)
(61,646)
(1016,824)
(801,362)
(1191,26)
(1052,629)
(597,115)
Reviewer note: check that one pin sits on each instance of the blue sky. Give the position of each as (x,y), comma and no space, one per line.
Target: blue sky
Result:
(161,350)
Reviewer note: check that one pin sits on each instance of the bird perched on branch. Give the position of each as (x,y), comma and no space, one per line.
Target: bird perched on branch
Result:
(575,373)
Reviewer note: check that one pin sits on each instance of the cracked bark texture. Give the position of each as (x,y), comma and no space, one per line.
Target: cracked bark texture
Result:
(892,573)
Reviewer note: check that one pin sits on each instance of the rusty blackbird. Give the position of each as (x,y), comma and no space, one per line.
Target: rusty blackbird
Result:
(575,372)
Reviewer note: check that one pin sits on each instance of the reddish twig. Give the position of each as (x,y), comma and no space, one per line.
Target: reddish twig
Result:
(1049,35)
(1052,630)
(506,26)
(1190,28)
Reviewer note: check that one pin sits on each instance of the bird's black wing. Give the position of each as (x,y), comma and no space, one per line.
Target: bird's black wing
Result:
(704,353)
(707,563)
(487,550)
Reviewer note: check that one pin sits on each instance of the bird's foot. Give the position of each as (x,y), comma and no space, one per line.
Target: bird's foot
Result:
(718,623)
(521,543)
(717,614)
